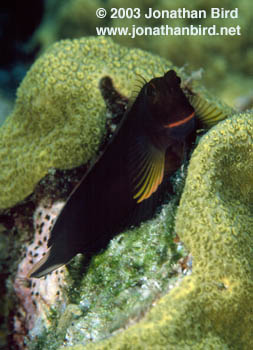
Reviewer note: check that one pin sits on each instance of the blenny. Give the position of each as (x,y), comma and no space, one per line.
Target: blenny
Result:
(124,186)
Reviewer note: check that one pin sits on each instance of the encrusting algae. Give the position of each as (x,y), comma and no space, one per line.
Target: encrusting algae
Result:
(212,308)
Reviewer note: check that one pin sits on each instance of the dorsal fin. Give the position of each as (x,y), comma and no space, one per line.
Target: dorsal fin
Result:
(209,113)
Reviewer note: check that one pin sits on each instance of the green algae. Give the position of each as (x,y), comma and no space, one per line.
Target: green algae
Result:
(119,285)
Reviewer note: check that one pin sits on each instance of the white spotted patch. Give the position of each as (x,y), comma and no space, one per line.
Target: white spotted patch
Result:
(36,296)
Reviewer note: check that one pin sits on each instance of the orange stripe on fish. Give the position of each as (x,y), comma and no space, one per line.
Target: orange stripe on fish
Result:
(180,122)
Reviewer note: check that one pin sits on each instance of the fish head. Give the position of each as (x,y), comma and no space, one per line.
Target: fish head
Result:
(168,107)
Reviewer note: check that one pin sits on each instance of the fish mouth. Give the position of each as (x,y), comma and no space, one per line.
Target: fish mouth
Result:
(180,122)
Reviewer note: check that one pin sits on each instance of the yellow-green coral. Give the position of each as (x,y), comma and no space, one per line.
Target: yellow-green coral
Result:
(220,55)
(59,116)
(212,308)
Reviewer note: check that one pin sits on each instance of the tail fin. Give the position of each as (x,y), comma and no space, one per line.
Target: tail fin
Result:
(47,264)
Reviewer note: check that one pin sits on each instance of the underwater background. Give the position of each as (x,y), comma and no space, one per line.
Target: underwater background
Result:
(87,303)
(28,29)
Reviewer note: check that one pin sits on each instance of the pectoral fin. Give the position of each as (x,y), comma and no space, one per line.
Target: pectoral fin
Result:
(147,171)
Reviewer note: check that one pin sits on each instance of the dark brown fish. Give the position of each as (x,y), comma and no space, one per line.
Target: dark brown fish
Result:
(125,185)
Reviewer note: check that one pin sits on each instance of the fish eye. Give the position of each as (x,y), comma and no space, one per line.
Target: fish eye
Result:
(171,76)
(151,90)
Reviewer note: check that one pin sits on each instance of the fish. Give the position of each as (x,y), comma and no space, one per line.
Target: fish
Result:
(125,185)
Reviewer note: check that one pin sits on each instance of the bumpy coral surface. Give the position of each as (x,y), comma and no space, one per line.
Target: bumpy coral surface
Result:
(212,308)
(6,106)
(59,116)
(220,56)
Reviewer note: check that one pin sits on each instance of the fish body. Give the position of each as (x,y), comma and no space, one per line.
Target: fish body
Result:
(125,185)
